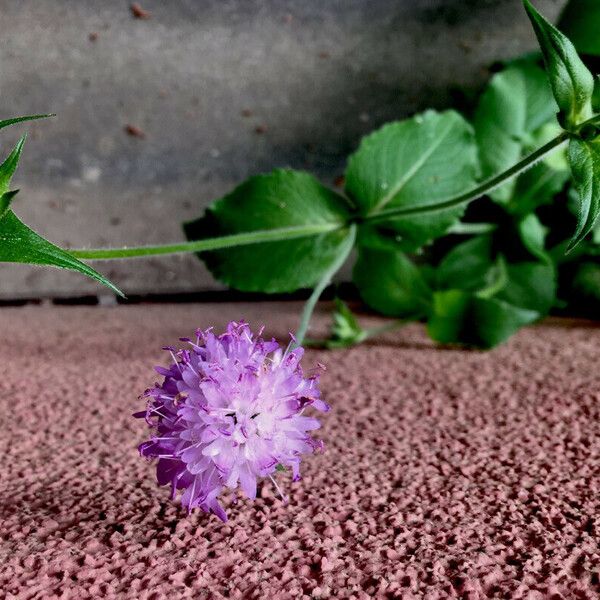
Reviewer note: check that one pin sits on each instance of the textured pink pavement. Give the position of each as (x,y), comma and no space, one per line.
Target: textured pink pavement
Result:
(447,474)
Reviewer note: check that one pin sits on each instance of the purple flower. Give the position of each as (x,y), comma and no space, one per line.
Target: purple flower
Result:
(230,410)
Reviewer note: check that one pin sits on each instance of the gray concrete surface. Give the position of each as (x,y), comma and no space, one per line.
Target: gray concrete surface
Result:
(311,77)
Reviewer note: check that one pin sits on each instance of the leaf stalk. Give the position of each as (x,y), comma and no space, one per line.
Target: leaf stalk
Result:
(288,233)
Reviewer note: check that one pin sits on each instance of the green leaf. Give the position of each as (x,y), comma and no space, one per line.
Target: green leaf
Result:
(584,158)
(536,187)
(580,22)
(484,299)
(572,83)
(556,160)
(9,166)
(586,281)
(596,234)
(280,199)
(533,236)
(474,266)
(5,201)
(20,244)
(15,120)
(391,283)
(424,160)
(497,279)
(466,266)
(516,103)
(345,330)
(461,317)
(530,285)
(344,322)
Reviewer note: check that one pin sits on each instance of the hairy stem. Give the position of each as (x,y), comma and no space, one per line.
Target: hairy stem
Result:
(337,264)
(227,241)
(288,233)
(484,188)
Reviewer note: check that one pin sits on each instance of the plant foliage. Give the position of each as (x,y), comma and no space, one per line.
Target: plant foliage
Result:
(477,224)
(18,242)
(407,189)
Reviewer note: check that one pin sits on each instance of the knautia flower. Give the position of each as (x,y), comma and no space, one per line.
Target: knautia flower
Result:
(229,411)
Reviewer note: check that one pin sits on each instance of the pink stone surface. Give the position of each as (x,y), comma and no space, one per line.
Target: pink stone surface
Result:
(447,473)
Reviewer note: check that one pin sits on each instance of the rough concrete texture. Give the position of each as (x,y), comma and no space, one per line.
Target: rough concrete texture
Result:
(447,473)
(221,89)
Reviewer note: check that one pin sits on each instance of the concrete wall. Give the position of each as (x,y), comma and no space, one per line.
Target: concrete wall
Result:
(221,89)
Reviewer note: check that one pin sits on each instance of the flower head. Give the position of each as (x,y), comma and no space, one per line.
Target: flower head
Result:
(230,410)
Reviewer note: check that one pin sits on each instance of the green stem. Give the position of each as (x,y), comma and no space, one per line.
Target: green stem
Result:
(309,307)
(484,188)
(217,243)
(288,233)
(376,331)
